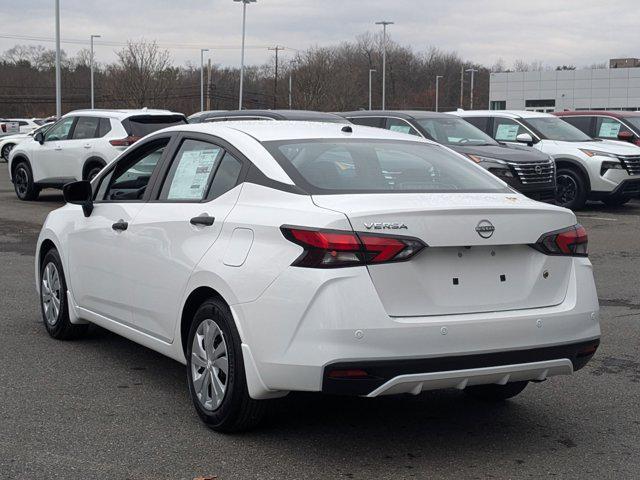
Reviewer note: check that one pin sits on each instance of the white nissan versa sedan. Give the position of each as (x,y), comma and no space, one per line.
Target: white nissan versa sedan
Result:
(295,256)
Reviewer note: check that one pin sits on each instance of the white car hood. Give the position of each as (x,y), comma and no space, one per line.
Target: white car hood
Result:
(618,148)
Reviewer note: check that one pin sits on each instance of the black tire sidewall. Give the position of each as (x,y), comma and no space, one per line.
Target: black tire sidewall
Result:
(581,195)
(8,150)
(63,322)
(32,191)
(228,410)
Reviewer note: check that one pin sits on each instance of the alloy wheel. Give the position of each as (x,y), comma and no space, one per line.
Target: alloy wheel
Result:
(21,181)
(51,294)
(567,189)
(6,150)
(209,365)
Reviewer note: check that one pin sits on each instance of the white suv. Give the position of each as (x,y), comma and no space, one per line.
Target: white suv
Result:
(297,256)
(587,168)
(79,145)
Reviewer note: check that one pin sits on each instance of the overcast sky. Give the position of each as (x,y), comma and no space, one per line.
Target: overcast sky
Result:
(578,32)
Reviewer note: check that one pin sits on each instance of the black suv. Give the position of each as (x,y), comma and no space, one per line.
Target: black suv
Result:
(527,170)
(237,115)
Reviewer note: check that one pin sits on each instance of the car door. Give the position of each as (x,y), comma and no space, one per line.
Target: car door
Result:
(81,144)
(52,159)
(98,247)
(174,230)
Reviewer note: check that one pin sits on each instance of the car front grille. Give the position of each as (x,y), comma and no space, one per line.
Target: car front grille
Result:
(535,172)
(631,164)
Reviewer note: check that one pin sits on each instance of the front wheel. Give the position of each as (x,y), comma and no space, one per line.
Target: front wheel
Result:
(215,371)
(23,182)
(6,150)
(53,300)
(572,189)
(494,392)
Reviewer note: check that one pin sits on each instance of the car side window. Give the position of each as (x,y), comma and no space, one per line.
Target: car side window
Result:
(60,131)
(191,171)
(104,127)
(402,126)
(479,122)
(609,128)
(506,129)
(130,178)
(226,176)
(86,127)
(368,121)
(581,122)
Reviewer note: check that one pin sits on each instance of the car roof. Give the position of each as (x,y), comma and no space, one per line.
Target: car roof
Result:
(615,114)
(275,114)
(120,114)
(500,113)
(404,114)
(293,130)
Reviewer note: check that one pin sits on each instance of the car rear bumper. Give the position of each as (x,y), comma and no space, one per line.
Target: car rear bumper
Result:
(307,323)
(416,375)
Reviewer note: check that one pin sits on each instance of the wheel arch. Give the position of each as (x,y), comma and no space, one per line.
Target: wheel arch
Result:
(15,160)
(191,305)
(575,165)
(90,162)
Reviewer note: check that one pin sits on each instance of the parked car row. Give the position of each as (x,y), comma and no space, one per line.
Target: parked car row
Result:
(568,160)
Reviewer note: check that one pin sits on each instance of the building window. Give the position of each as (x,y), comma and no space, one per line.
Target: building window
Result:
(540,103)
(498,105)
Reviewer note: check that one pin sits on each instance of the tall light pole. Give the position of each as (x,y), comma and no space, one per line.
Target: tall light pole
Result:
(384,24)
(202,50)
(275,77)
(58,76)
(472,70)
(438,77)
(244,19)
(92,93)
(290,89)
(371,70)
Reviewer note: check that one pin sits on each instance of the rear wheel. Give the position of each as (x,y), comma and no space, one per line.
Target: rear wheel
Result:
(92,171)
(23,182)
(494,392)
(215,371)
(615,201)
(53,299)
(572,189)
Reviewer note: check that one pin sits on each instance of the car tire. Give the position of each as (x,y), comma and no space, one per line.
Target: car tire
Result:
(53,300)
(23,182)
(571,192)
(92,171)
(6,150)
(221,398)
(494,392)
(615,201)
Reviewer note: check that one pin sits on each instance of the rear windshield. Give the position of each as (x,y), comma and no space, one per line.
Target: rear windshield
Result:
(378,166)
(142,125)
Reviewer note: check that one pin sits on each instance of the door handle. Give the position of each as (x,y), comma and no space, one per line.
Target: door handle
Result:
(57,147)
(204,220)
(120,225)
(87,146)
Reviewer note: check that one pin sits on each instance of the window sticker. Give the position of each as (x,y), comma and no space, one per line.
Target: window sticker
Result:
(400,128)
(192,174)
(609,129)
(507,131)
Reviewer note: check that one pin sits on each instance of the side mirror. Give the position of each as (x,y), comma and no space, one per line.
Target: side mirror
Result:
(626,136)
(39,137)
(79,193)
(525,138)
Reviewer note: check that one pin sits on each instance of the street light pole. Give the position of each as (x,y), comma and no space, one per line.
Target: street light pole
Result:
(58,75)
(438,77)
(92,93)
(202,50)
(472,70)
(384,24)
(371,70)
(290,87)
(244,19)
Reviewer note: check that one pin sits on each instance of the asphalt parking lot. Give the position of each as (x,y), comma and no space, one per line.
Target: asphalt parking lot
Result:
(104,407)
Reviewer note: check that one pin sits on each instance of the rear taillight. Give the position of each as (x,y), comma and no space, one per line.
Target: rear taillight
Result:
(331,248)
(570,241)
(3,127)
(124,142)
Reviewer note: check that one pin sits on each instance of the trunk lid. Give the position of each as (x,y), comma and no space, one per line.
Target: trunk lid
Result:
(461,271)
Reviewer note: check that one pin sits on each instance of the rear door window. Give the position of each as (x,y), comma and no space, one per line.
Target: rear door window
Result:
(377,122)
(479,122)
(141,125)
(104,128)
(86,127)
(581,122)
(402,126)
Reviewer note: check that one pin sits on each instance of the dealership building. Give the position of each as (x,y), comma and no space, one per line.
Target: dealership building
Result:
(613,88)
